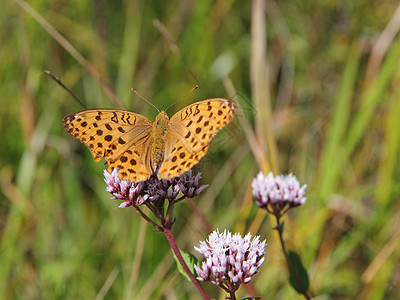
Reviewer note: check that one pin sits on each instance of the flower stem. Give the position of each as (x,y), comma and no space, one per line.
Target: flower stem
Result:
(178,255)
(292,270)
(144,216)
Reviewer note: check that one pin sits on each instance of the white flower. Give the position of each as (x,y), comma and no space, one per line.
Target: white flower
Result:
(277,192)
(230,259)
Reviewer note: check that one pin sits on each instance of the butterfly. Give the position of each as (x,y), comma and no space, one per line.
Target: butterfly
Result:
(138,147)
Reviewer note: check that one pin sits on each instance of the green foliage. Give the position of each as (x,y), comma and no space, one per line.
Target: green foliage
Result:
(326,105)
(190,261)
(298,274)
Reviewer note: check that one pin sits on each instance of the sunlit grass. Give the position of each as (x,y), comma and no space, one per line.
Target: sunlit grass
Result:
(318,88)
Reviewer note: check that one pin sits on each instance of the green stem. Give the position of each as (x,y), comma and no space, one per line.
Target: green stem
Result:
(292,270)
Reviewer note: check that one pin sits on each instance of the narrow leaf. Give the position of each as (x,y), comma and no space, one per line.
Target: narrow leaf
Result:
(298,275)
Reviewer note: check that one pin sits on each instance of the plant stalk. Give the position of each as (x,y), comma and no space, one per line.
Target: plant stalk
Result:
(279,228)
(178,255)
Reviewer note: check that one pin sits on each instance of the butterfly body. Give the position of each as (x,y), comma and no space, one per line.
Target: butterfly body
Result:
(159,132)
(139,148)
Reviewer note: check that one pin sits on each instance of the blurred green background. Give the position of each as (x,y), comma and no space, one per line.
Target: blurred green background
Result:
(318,83)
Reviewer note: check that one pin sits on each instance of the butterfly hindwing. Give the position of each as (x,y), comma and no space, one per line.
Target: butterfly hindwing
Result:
(134,165)
(178,160)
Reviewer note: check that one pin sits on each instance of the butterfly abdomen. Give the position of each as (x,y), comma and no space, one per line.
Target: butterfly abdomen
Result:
(159,131)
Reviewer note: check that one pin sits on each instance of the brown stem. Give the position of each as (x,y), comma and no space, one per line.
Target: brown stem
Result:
(178,255)
(144,216)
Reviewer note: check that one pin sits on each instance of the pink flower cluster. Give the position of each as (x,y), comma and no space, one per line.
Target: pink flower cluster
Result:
(278,192)
(152,189)
(124,190)
(230,259)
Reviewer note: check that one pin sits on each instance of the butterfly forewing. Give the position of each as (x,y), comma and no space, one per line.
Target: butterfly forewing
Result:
(114,134)
(190,133)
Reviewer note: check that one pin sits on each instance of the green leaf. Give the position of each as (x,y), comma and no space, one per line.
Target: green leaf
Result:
(190,261)
(298,275)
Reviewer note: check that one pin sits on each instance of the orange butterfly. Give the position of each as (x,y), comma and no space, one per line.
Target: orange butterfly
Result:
(139,148)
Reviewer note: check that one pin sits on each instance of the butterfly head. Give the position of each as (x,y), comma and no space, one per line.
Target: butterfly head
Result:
(161,122)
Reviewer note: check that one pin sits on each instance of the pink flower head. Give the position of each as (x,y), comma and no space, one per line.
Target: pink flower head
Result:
(123,189)
(276,193)
(230,259)
(152,189)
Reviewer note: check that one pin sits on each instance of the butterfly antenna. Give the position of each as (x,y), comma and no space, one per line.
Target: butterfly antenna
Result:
(136,92)
(195,87)
(56,79)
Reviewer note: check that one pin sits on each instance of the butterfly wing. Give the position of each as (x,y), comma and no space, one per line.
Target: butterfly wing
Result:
(190,133)
(134,165)
(122,137)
